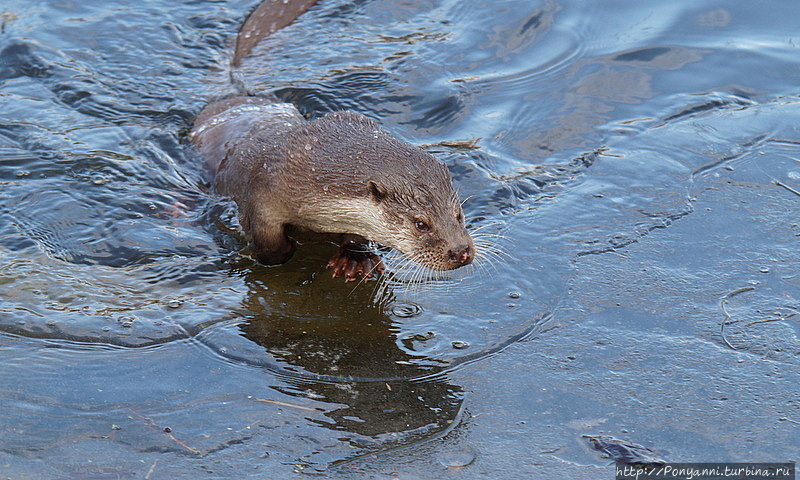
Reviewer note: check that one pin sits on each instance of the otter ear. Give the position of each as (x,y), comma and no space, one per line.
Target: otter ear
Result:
(378,192)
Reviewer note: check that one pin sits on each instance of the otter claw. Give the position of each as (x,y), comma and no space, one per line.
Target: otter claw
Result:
(354,265)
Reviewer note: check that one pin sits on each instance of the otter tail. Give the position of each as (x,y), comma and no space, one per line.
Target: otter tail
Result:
(269,17)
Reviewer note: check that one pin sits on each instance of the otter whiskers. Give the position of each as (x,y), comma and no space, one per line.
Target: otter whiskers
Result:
(406,276)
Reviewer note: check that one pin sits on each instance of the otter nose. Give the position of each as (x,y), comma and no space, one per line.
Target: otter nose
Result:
(460,256)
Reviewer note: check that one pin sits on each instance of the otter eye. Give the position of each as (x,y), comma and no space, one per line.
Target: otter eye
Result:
(422,226)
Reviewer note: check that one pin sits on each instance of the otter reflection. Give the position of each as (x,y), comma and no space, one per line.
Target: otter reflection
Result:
(341,349)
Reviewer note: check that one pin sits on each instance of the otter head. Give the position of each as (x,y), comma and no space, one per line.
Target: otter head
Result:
(422,216)
(384,189)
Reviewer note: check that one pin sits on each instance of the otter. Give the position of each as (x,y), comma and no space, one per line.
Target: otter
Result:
(337,174)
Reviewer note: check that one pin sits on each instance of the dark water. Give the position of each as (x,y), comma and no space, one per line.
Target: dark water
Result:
(640,164)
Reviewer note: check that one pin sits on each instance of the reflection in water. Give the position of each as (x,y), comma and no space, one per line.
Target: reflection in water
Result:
(341,350)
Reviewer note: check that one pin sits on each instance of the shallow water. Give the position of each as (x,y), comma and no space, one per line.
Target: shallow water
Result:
(639,164)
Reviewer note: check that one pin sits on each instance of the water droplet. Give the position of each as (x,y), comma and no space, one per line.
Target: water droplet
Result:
(421,337)
(406,311)
(764,269)
(174,303)
(457,457)
(459,345)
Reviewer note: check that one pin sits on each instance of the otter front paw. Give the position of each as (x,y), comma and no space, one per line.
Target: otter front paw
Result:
(354,262)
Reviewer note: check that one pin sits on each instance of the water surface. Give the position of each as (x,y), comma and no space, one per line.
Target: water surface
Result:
(639,164)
